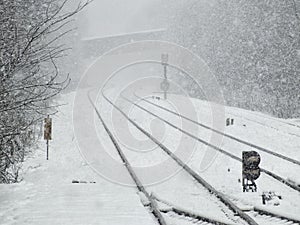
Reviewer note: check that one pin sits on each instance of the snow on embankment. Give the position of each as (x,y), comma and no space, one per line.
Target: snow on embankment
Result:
(47,195)
(253,127)
(223,172)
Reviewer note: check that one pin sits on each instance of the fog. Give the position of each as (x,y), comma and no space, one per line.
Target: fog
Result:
(105,18)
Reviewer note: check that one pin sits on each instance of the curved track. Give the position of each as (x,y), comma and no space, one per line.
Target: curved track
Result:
(265,125)
(192,173)
(254,121)
(261,216)
(226,135)
(273,175)
(274,119)
(152,204)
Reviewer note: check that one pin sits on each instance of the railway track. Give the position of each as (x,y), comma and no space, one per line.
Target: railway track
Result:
(274,119)
(265,125)
(152,200)
(152,204)
(174,211)
(224,134)
(261,216)
(265,219)
(229,204)
(254,121)
(273,175)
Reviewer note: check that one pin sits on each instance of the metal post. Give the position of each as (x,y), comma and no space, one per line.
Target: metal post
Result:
(164,61)
(165,75)
(47,149)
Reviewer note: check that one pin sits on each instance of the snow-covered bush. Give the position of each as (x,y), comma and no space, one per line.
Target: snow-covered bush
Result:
(30,33)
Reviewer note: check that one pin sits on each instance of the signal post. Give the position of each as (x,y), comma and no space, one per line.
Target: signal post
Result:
(251,170)
(165,84)
(47,133)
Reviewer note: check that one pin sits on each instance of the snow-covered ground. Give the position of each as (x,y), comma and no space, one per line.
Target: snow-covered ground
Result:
(224,173)
(47,195)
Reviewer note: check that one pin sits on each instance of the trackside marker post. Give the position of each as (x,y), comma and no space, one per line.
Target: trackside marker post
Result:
(47,133)
(165,84)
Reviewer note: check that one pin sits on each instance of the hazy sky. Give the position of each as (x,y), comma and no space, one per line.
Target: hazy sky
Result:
(114,17)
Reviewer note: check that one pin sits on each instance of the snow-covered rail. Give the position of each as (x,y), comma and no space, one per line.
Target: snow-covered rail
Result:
(273,175)
(233,207)
(274,217)
(186,213)
(152,204)
(268,216)
(267,125)
(274,119)
(152,200)
(224,134)
(265,219)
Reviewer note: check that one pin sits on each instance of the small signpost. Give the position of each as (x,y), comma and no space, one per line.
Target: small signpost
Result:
(165,84)
(229,121)
(47,132)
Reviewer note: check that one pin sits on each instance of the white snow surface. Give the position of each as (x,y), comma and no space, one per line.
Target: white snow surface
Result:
(224,172)
(47,195)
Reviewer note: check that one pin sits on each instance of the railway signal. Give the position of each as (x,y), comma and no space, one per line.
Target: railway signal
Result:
(164,59)
(47,132)
(165,85)
(251,170)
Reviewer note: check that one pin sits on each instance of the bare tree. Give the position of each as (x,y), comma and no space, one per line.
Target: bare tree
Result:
(30,34)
